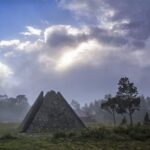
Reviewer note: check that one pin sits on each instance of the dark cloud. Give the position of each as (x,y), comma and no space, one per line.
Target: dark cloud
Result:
(60,39)
(61,36)
(106,38)
(136,12)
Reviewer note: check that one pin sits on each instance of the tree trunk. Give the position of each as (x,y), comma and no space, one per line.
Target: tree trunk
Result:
(114,118)
(131,120)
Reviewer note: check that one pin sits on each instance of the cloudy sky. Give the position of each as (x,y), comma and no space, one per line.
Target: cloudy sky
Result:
(78,47)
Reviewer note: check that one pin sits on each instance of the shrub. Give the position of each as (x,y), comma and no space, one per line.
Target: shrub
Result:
(118,133)
(8,136)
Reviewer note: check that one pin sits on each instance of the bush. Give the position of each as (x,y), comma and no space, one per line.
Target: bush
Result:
(118,133)
(137,132)
(58,135)
(8,136)
(88,133)
(94,133)
(120,130)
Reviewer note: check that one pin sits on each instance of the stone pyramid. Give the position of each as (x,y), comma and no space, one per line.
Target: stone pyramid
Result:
(50,113)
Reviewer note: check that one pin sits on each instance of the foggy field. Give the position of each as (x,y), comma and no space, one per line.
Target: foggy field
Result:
(96,138)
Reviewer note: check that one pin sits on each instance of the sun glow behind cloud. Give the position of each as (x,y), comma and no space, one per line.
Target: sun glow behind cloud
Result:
(80,55)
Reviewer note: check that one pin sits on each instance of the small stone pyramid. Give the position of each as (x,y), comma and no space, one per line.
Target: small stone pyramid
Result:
(50,113)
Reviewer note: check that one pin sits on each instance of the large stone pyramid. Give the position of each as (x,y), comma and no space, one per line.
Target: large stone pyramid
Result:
(50,113)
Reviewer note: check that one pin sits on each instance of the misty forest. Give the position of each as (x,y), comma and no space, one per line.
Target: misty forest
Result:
(109,110)
(116,109)
(117,118)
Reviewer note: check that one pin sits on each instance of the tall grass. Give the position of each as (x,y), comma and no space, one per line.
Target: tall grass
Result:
(102,133)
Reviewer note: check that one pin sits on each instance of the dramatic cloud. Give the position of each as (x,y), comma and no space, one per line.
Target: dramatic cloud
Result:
(64,36)
(130,18)
(84,61)
(54,61)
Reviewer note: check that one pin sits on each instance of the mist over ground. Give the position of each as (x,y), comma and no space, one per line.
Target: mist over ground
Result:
(13,110)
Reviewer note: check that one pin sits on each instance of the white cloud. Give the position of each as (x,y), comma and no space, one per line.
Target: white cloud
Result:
(30,46)
(83,54)
(5,71)
(81,8)
(27,46)
(32,31)
(9,54)
(8,43)
(63,47)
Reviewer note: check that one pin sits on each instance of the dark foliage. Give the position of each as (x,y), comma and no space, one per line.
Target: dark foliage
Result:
(128,99)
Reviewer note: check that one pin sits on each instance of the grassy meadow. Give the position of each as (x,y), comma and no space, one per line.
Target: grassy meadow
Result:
(92,138)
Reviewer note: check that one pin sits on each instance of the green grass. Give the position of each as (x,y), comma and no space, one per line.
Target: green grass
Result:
(96,138)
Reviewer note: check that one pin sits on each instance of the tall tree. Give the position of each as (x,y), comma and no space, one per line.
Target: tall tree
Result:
(127,97)
(110,105)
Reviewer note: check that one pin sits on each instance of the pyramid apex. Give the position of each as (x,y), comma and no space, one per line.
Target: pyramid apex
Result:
(52,92)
